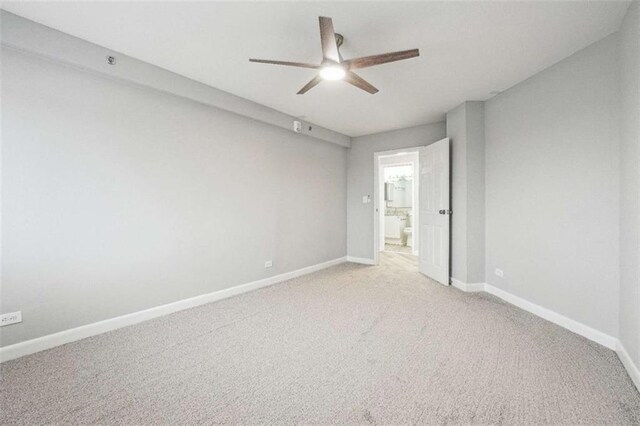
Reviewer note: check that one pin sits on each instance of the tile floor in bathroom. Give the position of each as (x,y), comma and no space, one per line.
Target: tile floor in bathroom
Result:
(394,245)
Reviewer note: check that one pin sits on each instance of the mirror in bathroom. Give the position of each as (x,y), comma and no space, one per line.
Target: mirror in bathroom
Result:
(403,191)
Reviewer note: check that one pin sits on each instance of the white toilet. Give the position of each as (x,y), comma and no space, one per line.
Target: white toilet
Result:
(406,237)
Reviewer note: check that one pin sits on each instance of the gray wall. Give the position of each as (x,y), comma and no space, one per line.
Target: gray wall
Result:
(630,183)
(475,192)
(118,198)
(360,179)
(552,187)
(465,128)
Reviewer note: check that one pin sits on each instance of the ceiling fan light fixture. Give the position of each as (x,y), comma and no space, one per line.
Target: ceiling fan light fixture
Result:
(332,72)
(334,67)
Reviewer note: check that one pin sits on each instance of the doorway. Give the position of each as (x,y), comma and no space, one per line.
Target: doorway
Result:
(397,199)
(430,218)
(398,203)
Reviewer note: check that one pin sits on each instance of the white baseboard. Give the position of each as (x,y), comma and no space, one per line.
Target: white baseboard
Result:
(362,260)
(554,317)
(67,336)
(632,369)
(467,287)
(558,319)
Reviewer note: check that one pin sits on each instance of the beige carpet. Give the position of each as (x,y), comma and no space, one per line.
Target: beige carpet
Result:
(350,344)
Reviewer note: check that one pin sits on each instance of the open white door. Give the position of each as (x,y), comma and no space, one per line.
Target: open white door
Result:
(434,211)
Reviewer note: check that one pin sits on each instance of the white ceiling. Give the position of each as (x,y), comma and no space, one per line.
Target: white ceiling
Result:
(467,49)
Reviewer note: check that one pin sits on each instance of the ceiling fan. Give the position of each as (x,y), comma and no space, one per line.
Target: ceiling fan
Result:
(333,67)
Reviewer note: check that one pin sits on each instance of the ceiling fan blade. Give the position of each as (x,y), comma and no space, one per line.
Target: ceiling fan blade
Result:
(369,61)
(359,82)
(291,64)
(314,82)
(328,39)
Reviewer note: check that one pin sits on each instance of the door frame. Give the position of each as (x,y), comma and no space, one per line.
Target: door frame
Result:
(377,189)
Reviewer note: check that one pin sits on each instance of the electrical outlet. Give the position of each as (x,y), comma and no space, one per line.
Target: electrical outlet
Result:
(268,264)
(10,318)
(499,272)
